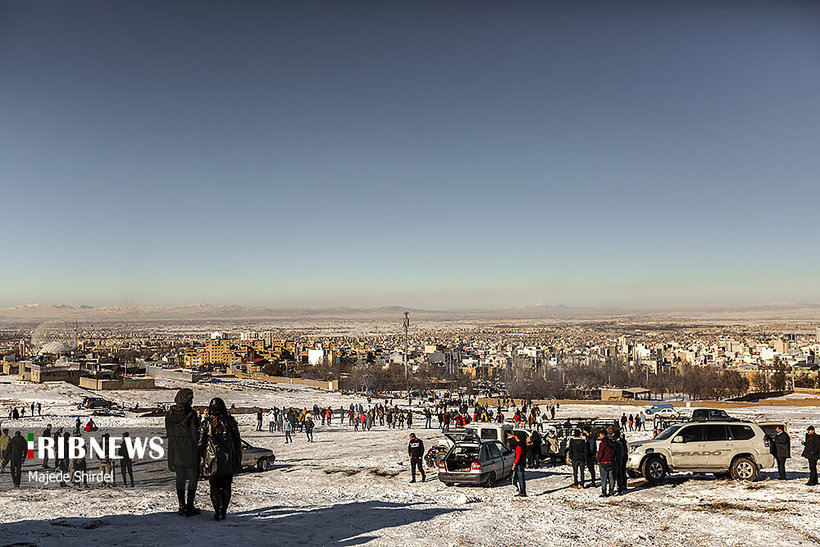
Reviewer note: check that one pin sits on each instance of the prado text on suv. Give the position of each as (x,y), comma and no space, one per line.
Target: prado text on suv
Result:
(737,448)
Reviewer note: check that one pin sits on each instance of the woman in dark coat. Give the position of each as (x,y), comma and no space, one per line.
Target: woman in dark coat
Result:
(221,451)
(182,427)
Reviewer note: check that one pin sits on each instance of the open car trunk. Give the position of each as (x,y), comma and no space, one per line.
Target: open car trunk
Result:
(461,458)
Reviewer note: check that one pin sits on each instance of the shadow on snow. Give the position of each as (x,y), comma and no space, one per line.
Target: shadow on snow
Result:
(340,524)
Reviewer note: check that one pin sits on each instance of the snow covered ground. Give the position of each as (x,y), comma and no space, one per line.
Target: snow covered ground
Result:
(353,488)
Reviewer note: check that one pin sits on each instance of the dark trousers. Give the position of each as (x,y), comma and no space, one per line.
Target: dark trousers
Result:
(533,457)
(591,467)
(191,476)
(521,480)
(127,467)
(607,478)
(620,476)
(220,493)
(812,471)
(781,468)
(578,469)
(416,463)
(16,471)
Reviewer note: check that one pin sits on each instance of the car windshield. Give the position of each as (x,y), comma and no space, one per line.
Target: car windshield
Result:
(668,432)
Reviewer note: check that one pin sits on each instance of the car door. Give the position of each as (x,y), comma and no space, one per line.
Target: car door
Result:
(719,446)
(496,463)
(507,457)
(687,448)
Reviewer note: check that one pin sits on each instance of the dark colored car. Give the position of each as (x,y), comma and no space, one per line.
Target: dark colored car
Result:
(710,414)
(95,402)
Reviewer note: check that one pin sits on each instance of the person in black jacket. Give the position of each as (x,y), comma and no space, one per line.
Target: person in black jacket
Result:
(47,433)
(592,447)
(579,455)
(415,449)
(126,465)
(621,457)
(17,452)
(221,449)
(811,452)
(58,434)
(534,449)
(782,444)
(182,427)
(309,425)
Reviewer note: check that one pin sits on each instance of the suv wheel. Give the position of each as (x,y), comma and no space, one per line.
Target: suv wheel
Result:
(654,469)
(744,469)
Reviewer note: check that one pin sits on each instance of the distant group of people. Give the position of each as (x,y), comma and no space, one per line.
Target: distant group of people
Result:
(633,423)
(360,418)
(14,451)
(16,414)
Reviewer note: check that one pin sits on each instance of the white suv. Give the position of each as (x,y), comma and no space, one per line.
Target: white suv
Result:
(737,448)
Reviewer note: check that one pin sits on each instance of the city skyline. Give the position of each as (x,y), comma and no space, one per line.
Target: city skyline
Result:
(462,156)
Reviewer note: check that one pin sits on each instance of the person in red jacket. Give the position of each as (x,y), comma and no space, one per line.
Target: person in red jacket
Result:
(606,463)
(518,464)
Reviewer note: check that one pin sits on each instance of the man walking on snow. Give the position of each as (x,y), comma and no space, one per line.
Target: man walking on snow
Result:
(518,464)
(415,449)
(17,451)
(812,452)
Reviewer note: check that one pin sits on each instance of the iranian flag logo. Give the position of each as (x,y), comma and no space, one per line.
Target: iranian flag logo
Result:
(31,446)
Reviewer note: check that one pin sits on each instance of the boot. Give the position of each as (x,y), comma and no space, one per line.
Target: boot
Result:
(190,510)
(226,499)
(216,500)
(181,498)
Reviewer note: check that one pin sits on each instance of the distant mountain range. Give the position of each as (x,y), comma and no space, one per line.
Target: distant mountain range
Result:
(41,312)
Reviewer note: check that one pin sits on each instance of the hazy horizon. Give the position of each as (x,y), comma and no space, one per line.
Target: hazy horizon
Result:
(440,156)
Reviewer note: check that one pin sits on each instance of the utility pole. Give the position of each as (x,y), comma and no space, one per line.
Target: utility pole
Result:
(406,331)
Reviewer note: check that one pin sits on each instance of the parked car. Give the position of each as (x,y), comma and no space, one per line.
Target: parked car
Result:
(667,413)
(734,447)
(657,407)
(95,402)
(258,458)
(710,414)
(486,431)
(476,462)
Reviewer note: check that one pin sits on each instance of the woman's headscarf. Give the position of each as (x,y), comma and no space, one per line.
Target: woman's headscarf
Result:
(184,396)
(217,407)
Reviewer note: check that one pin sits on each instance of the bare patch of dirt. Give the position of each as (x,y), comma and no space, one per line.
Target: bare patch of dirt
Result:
(348,471)
(384,472)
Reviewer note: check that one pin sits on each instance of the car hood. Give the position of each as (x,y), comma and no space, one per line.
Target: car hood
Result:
(647,442)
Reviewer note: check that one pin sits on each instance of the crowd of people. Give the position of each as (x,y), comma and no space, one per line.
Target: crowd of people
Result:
(209,447)
(14,452)
(16,414)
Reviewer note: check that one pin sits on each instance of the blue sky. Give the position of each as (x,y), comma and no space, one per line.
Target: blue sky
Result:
(431,154)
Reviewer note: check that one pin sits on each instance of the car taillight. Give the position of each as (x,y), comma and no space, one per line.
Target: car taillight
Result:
(441,465)
(766,442)
(476,466)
